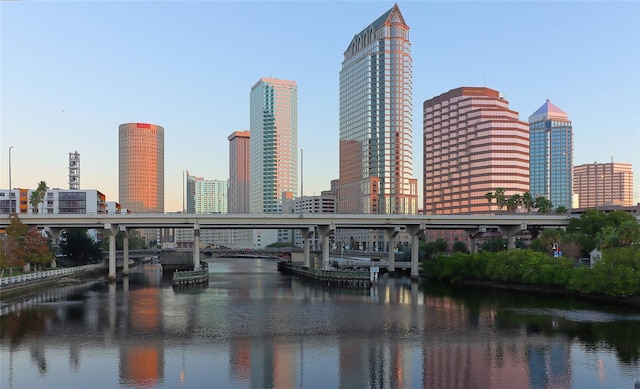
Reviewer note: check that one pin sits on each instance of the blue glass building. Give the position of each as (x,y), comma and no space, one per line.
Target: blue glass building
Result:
(551,155)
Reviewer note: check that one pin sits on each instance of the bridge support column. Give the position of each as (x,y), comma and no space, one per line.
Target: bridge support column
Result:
(112,231)
(125,250)
(472,234)
(325,231)
(415,230)
(510,232)
(391,234)
(306,233)
(196,247)
(54,233)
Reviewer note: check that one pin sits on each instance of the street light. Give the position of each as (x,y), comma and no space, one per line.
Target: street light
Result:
(10,189)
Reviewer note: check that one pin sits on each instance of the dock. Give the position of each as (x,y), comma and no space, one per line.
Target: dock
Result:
(351,278)
(191,277)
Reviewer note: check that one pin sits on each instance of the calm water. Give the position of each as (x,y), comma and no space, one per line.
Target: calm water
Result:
(253,327)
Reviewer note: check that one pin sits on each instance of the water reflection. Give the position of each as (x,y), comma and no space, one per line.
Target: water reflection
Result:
(254,327)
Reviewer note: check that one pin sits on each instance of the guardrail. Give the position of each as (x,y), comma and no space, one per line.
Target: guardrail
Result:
(48,273)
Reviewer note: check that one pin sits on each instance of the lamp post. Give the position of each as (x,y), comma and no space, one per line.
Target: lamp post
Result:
(10,188)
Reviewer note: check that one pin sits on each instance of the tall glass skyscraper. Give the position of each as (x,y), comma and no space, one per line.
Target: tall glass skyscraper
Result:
(376,165)
(551,153)
(273,143)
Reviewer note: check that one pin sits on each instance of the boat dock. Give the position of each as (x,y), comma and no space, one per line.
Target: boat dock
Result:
(353,278)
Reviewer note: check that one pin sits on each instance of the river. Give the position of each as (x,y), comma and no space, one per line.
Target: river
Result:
(253,327)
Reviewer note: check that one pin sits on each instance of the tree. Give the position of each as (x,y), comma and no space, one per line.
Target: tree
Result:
(489,197)
(460,247)
(596,229)
(513,202)
(24,244)
(37,196)
(527,201)
(561,210)
(543,205)
(79,247)
(500,198)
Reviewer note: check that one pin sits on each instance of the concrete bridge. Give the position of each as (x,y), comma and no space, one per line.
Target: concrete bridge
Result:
(324,223)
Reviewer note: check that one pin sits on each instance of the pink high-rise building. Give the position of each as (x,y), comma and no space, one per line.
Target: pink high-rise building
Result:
(473,144)
(239,171)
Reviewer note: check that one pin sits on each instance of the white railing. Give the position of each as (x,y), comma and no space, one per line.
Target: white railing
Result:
(48,273)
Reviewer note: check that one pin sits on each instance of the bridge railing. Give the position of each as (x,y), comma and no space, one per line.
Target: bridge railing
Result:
(38,275)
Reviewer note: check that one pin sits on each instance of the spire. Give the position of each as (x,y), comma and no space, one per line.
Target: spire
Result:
(548,111)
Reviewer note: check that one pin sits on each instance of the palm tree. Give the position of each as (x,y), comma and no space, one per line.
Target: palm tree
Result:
(489,197)
(527,201)
(500,198)
(543,204)
(513,202)
(561,210)
(37,196)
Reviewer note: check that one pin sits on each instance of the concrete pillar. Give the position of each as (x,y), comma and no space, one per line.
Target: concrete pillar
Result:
(54,233)
(472,234)
(510,232)
(306,233)
(112,232)
(125,250)
(391,234)
(325,231)
(196,247)
(415,230)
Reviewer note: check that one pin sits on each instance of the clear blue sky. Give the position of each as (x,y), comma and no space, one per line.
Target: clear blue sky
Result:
(71,72)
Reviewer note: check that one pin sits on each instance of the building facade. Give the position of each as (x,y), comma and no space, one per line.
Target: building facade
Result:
(273,143)
(141,171)
(603,184)
(56,202)
(473,144)
(141,167)
(239,171)
(376,165)
(551,155)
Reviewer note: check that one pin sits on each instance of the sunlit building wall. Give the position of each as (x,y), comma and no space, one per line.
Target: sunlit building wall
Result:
(273,143)
(551,155)
(141,170)
(376,150)
(601,184)
(473,144)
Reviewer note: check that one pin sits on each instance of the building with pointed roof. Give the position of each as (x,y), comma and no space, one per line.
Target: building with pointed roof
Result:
(551,153)
(376,150)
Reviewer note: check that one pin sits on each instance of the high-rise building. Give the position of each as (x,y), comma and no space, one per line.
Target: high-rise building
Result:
(141,170)
(273,143)
(603,184)
(551,155)
(74,170)
(141,167)
(376,165)
(473,144)
(239,171)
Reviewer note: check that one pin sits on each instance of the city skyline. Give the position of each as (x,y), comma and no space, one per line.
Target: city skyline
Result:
(71,74)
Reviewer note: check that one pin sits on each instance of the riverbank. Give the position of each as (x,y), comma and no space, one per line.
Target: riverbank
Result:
(27,288)
(630,301)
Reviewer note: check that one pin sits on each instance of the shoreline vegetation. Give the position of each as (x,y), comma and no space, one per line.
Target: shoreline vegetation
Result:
(613,279)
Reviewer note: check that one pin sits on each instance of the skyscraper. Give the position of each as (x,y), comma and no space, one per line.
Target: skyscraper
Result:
(239,173)
(603,184)
(376,165)
(473,144)
(141,167)
(273,143)
(551,155)
(141,170)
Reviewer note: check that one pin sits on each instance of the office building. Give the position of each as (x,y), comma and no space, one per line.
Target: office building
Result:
(273,143)
(473,144)
(603,184)
(239,171)
(551,155)
(375,121)
(141,170)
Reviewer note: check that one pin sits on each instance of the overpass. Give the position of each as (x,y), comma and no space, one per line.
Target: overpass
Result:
(324,223)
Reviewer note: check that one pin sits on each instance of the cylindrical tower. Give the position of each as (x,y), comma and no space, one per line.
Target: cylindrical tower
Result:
(141,167)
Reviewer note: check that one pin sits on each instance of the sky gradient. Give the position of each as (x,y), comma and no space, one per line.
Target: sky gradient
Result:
(72,72)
